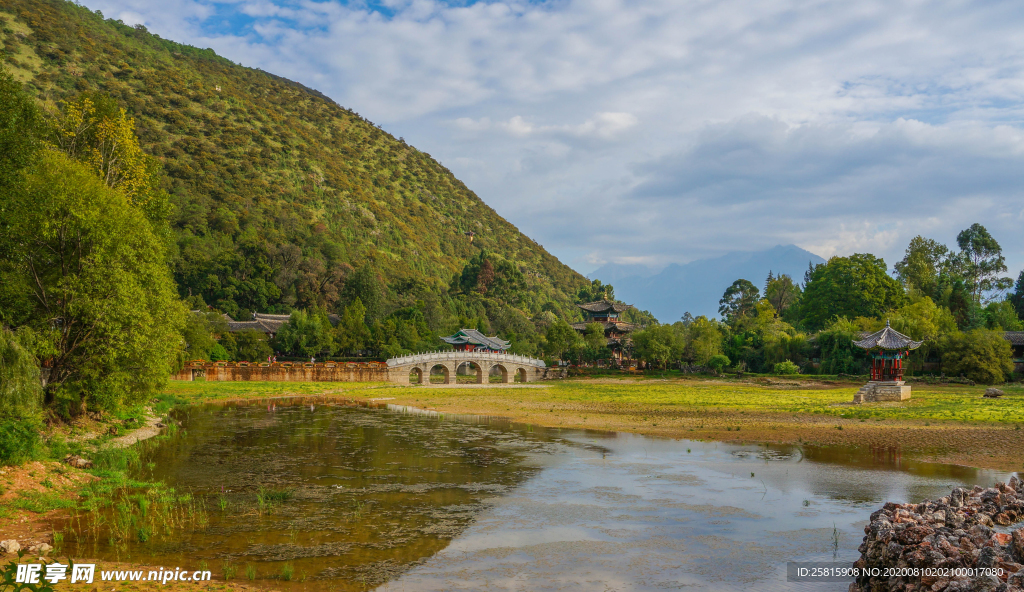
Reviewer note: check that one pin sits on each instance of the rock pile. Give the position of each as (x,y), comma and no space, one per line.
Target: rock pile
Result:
(954,544)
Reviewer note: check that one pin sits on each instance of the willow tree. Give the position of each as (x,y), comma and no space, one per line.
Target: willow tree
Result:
(20,388)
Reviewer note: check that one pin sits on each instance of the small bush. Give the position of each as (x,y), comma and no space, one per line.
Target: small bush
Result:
(786,367)
(719,362)
(218,353)
(19,441)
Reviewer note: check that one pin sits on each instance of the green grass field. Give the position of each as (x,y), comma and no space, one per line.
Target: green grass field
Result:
(954,403)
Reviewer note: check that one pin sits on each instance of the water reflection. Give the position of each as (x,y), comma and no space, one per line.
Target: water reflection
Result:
(353,495)
(637,513)
(414,500)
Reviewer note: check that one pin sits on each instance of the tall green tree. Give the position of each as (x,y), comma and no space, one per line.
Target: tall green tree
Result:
(982,261)
(90,275)
(739,301)
(782,293)
(352,333)
(366,285)
(1017,296)
(657,344)
(854,286)
(955,294)
(703,340)
(561,337)
(921,265)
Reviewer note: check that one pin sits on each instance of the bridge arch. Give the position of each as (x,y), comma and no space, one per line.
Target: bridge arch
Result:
(416,375)
(521,375)
(473,368)
(439,370)
(499,370)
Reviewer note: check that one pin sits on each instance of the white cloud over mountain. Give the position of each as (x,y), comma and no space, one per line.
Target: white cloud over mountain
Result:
(667,130)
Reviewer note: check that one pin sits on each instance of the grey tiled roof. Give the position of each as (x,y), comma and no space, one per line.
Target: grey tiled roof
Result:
(1014,337)
(888,338)
(604,306)
(267,323)
(474,337)
(622,327)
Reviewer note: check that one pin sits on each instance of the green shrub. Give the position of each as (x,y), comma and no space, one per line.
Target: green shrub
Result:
(219,354)
(786,367)
(980,355)
(719,362)
(19,441)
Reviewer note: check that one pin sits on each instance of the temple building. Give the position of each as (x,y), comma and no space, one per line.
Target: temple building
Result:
(888,349)
(616,331)
(473,340)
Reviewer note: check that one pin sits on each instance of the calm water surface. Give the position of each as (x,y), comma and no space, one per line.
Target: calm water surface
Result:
(403,500)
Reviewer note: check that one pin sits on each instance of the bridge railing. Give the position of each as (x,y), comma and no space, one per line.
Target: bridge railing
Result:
(442,356)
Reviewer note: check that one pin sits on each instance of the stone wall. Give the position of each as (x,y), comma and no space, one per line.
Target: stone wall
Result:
(279,372)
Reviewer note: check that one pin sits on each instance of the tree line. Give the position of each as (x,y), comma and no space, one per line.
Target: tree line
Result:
(958,301)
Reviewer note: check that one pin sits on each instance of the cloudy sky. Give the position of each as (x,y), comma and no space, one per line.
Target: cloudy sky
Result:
(659,131)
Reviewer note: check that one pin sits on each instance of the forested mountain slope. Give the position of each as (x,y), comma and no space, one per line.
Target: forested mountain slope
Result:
(276,192)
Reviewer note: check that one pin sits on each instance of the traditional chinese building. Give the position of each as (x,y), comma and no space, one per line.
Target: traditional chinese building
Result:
(616,331)
(888,350)
(473,340)
(268,324)
(1016,339)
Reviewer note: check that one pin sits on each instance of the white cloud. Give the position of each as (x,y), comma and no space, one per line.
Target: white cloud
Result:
(666,130)
(131,18)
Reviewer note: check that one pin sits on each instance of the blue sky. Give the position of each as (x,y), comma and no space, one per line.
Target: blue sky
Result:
(670,130)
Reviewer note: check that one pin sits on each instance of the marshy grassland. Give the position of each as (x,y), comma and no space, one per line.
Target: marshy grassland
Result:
(946,423)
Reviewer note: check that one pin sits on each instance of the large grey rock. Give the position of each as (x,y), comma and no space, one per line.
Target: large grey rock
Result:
(993,393)
(9,546)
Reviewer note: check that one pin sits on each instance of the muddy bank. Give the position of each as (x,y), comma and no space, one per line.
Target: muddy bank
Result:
(962,542)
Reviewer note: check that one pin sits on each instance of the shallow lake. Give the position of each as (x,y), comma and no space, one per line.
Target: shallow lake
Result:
(339,497)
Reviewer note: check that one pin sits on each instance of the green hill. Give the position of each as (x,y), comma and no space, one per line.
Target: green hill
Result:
(278,193)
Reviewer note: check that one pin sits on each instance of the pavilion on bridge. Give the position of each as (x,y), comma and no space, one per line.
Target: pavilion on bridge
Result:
(473,340)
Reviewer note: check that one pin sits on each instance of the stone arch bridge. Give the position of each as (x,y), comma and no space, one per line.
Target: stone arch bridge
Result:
(510,367)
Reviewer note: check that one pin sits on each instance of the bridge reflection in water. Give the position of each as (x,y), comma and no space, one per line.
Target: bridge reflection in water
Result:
(417,368)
